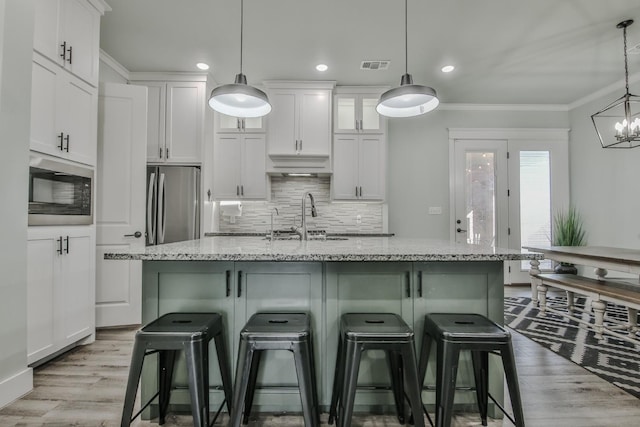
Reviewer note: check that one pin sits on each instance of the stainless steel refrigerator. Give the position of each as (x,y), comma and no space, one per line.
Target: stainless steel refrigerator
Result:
(173,204)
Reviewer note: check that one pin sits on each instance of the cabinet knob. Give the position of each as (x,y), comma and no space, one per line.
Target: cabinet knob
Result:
(460,230)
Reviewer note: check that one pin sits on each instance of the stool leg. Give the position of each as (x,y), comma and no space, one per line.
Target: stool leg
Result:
(509,363)
(424,357)
(225,369)
(314,385)
(338,374)
(195,355)
(137,359)
(166,362)
(447,356)
(413,383)
(303,355)
(251,388)
(481,374)
(245,355)
(394,363)
(353,352)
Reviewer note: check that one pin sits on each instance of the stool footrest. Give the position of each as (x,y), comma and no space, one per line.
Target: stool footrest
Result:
(145,406)
(502,409)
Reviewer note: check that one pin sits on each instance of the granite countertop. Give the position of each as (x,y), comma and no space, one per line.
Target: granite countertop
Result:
(252,248)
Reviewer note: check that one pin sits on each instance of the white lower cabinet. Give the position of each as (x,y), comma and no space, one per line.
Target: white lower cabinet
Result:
(60,288)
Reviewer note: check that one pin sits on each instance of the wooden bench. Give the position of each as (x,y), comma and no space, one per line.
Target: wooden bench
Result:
(599,291)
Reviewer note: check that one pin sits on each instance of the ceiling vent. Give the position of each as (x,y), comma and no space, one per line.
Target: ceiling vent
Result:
(374,65)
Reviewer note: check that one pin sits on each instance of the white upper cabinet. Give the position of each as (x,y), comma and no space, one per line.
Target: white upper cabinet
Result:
(239,167)
(68,33)
(299,129)
(355,110)
(63,113)
(358,167)
(175,123)
(232,124)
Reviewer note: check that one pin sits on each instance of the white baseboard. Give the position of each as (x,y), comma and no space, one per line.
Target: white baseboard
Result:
(16,386)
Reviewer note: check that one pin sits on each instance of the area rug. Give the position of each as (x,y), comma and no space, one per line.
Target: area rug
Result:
(613,359)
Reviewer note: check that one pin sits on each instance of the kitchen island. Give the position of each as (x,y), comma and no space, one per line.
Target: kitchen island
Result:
(238,276)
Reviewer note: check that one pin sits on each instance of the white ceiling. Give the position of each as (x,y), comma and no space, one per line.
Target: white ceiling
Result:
(505,51)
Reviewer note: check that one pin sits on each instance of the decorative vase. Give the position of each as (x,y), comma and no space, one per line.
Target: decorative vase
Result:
(564,268)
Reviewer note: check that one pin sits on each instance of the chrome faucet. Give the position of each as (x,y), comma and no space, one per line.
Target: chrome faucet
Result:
(302,231)
(277,213)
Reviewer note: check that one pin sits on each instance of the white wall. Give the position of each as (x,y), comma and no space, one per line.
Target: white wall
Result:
(419,163)
(16,40)
(605,183)
(109,75)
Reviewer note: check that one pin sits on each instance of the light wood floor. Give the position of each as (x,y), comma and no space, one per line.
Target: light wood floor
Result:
(85,387)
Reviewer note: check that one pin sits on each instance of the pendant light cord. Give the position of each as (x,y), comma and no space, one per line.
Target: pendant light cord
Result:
(626,63)
(241,30)
(406,40)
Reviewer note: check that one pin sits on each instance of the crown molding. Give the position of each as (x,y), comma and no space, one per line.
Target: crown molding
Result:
(169,77)
(503,107)
(114,65)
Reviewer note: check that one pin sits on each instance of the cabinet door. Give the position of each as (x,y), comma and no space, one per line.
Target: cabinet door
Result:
(371,167)
(345,167)
(227,158)
(283,135)
(190,287)
(80,29)
(78,119)
(156,106)
(345,113)
(473,287)
(184,122)
(370,120)
(42,266)
(226,123)
(315,123)
(47,28)
(254,175)
(365,288)
(288,287)
(77,287)
(44,108)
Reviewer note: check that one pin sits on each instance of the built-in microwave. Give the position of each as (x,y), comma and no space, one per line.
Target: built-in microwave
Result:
(59,193)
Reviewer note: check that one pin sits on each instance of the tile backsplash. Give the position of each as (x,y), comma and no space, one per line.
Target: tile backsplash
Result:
(286,197)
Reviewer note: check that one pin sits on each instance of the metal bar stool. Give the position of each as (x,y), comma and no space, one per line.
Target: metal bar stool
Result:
(375,331)
(453,333)
(190,332)
(275,331)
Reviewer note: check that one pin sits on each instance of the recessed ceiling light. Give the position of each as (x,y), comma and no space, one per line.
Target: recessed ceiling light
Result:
(202,66)
(448,68)
(322,67)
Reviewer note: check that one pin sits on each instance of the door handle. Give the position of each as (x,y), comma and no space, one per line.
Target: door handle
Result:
(59,250)
(137,234)
(66,243)
(420,284)
(239,283)
(228,274)
(460,230)
(408,284)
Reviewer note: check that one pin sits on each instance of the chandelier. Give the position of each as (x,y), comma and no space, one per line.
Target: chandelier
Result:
(618,124)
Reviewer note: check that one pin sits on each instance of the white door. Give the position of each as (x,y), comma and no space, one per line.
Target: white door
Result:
(539,184)
(120,201)
(505,192)
(480,187)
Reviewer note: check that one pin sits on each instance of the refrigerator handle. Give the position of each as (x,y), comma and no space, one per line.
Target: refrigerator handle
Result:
(151,217)
(162,207)
(195,224)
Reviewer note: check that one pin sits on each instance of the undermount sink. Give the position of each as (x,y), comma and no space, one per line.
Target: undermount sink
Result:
(316,238)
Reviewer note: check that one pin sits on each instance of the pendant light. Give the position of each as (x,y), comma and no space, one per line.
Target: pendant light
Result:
(618,124)
(407,100)
(239,99)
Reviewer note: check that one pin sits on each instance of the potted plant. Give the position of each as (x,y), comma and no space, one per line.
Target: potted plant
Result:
(568,230)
